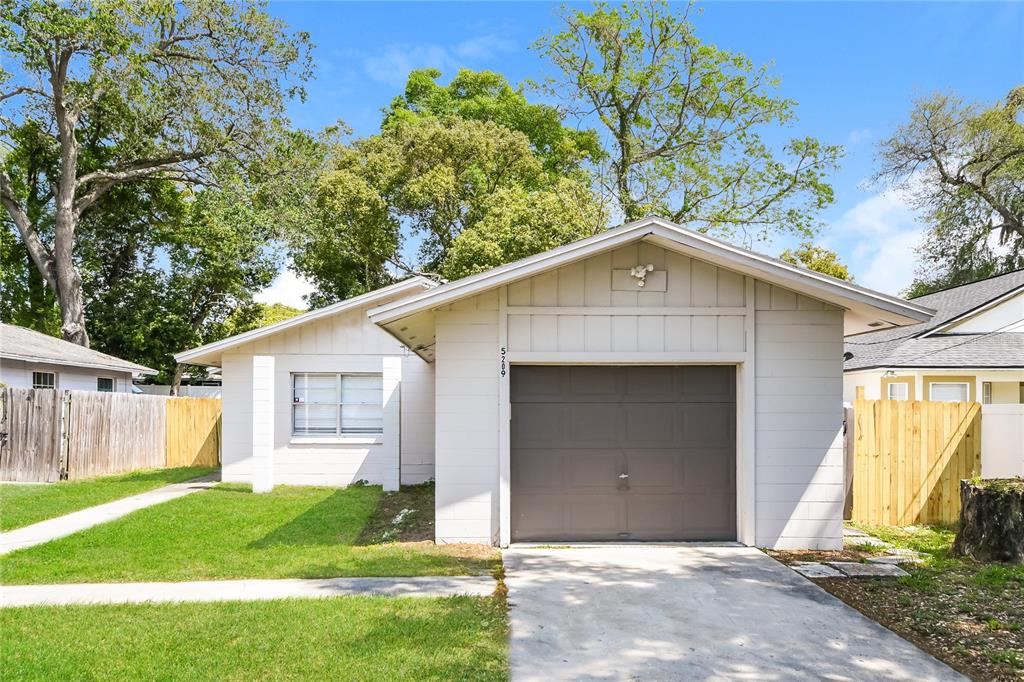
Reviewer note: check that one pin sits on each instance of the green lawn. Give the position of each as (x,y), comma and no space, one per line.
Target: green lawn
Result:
(351,638)
(229,532)
(24,504)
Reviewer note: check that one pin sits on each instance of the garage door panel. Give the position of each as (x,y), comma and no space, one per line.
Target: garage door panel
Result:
(708,426)
(654,470)
(537,469)
(576,430)
(651,423)
(594,424)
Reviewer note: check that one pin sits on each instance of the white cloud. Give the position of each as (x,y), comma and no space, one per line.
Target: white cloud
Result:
(855,137)
(287,288)
(393,64)
(878,238)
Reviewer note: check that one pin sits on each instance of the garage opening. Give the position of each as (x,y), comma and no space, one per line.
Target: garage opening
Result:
(626,453)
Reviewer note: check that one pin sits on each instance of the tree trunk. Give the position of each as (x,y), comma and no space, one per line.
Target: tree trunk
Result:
(991,520)
(179,370)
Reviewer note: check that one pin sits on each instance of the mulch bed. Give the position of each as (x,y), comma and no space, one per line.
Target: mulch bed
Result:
(967,614)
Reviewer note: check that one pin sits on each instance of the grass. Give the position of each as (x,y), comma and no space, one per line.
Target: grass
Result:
(24,504)
(967,613)
(353,638)
(229,532)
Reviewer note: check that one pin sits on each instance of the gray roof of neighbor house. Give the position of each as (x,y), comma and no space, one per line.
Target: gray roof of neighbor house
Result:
(924,344)
(18,343)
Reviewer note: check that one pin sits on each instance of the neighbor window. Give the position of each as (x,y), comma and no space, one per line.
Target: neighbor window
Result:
(104,385)
(44,380)
(899,390)
(986,392)
(337,405)
(949,391)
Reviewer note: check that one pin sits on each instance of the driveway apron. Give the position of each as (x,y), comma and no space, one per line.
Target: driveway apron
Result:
(690,612)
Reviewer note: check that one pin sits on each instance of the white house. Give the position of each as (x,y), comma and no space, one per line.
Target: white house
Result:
(971,350)
(647,383)
(29,359)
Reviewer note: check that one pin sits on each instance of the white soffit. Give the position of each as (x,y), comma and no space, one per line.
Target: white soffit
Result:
(210,353)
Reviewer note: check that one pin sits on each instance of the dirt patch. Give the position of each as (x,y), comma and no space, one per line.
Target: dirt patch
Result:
(966,613)
(405,515)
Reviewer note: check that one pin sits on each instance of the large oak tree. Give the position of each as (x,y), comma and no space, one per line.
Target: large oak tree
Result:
(177,89)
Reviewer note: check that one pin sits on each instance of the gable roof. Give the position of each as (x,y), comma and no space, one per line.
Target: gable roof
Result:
(925,344)
(19,343)
(864,303)
(210,353)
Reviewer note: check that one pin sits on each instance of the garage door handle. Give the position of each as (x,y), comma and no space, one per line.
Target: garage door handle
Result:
(623,475)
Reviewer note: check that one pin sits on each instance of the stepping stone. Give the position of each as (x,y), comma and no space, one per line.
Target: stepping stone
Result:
(872,570)
(898,551)
(895,560)
(812,569)
(854,533)
(867,540)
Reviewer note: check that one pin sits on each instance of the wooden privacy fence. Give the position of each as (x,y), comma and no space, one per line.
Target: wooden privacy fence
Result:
(909,459)
(47,435)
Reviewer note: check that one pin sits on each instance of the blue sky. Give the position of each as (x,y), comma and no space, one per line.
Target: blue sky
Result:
(853,67)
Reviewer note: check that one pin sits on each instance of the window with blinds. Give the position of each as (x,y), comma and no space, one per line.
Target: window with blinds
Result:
(337,405)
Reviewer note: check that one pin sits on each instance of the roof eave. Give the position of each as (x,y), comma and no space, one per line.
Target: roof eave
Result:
(905,311)
(132,368)
(199,355)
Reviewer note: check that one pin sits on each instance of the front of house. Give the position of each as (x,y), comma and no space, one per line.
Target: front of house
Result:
(647,383)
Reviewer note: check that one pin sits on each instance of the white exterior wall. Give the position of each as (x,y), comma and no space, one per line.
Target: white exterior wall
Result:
(1005,382)
(466,375)
(1007,316)
(1002,441)
(347,342)
(799,417)
(18,374)
(705,314)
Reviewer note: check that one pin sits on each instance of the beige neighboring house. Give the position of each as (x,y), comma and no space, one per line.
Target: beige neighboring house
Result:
(29,359)
(646,383)
(972,350)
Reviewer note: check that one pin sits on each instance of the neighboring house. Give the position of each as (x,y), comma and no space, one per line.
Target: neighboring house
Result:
(646,383)
(29,359)
(971,350)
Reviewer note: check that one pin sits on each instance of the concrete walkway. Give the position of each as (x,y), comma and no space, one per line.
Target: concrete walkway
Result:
(51,529)
(690,612)
(242,590)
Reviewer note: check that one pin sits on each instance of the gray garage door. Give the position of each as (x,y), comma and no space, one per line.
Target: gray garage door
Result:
(623,453)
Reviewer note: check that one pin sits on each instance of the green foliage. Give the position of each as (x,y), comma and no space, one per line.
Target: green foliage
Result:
(817,258)
(488,96)
(105,93)
(963,166)
(458,183)
(683,121)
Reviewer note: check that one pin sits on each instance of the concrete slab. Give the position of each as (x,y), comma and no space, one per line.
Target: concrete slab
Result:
(895,559)
(865,540)
(51,529)
(690,613)
(872,570)
(812,569)
(854,533)
(242,590)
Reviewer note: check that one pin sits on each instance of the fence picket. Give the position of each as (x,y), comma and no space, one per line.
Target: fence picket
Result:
(910,457)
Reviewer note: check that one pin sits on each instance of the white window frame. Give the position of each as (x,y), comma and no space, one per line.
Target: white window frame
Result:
(52,382)
(113,385)
(986,392)
(340,434)
(966,385)
(906,390)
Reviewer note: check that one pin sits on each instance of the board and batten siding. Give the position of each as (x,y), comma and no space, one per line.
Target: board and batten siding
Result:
(705,314)
(343,343)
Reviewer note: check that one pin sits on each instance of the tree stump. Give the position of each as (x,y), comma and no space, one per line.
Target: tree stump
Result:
(991,520)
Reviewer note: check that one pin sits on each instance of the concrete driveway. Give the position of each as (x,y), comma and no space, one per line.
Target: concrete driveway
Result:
(690,612)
